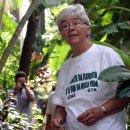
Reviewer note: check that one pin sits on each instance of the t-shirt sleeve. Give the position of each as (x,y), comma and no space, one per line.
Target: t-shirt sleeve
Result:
(117,59)
(58,95)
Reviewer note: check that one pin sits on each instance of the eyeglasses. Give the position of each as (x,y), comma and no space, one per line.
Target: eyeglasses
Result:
(66,25)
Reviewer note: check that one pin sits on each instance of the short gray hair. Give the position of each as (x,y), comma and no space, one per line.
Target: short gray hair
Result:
(76,10)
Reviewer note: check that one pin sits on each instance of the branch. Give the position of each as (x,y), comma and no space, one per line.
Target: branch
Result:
(14,38)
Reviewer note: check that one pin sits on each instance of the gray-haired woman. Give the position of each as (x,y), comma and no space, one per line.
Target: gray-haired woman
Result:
(84,102)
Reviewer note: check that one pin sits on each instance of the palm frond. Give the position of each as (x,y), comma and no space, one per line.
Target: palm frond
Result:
(115,73)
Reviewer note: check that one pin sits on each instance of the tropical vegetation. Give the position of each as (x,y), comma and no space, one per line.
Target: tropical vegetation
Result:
(41,53)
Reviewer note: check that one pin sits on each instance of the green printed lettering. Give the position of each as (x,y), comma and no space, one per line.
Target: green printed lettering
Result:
(96,83)
(78,86)
(66,91)
(86,84)
(93,83)
(74,79)
(80,77)
(90,75)
(95,74)
(73,88)
(82,85)
(84,76)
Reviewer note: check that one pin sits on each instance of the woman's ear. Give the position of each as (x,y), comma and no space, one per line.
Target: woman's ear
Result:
(88,29)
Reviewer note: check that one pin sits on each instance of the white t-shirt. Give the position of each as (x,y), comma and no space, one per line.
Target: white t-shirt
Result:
(79,89)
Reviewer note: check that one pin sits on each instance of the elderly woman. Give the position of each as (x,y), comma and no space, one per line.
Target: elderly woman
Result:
(84,102)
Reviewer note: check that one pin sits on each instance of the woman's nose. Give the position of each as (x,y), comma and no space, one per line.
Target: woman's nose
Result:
(71,27)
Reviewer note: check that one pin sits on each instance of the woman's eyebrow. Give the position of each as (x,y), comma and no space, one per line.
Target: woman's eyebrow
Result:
(69,19)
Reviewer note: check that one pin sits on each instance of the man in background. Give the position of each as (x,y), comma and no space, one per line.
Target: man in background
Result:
(23,94)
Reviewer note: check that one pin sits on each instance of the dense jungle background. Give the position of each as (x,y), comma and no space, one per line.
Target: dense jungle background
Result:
(30,41)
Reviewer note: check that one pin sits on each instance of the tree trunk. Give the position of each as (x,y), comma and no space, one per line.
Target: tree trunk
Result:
(2,12)
(28,43)
(14,38)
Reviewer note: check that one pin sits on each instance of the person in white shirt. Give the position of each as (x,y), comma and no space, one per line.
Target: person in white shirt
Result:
(82,100)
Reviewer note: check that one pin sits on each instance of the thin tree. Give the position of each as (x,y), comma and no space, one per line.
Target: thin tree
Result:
(29,41)
(14,38)
(2,12)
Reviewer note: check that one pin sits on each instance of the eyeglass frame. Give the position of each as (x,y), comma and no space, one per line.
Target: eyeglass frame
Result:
(77,25)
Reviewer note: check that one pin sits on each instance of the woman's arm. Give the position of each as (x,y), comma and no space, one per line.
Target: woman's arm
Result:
(115,105)
(59,117)
(112,106)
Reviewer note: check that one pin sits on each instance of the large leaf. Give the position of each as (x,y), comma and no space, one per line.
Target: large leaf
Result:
(58,56)
(114,28)
(110,29)
(115,73)
(124,90)
(105,21)
(123,25)
(9,23)
(50,3)
(118,73)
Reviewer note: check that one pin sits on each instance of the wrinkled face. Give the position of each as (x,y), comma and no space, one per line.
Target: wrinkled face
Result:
(73,30)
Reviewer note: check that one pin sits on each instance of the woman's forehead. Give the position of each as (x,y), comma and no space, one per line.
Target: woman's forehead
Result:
(69,18)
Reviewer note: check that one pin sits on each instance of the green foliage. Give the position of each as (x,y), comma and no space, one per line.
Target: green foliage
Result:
(105,21)
(39,44)
(9,23)
(34,66)
(115,73)
(56,51)
(118,74)
(109,27)
(15,4)
(7,76)
(11,119)
(124,90)
(11,66)
(110,19)
(115,28)
(10,69)
(58,56)
(37,117)
(8,27)
(4,39)
(55,10)
(50,3)
(2,43)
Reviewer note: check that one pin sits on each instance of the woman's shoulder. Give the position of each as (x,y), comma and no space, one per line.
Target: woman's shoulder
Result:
(104,49)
